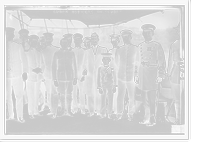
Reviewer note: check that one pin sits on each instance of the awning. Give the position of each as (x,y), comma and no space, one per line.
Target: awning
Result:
(90,17)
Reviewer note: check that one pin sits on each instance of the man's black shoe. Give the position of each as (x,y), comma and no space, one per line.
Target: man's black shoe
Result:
(143,122)
(90,114)
(21,120)
(117,118)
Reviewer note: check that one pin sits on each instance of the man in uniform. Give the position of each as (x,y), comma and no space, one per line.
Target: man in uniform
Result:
(151,69)
(78,89)
(115,43)
(125,59)
(23,35)
(87,44)
(35,68)
(175,64)
(64,71)
(48,51)
(42,95)
(92,61)
(16,68)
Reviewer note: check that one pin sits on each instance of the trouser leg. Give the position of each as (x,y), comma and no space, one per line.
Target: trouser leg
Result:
(9,97)
(120,97)
(110,101)
(31,96)
(103,102)
(25,97)
(37,87)
(131,94)
(145,105)
(115,102)
(55,101)
(48,85)
(61,90)
(178,111)
(81,97)
(43,90)
(151,95)
(69,86)
(19,91)
(75,98)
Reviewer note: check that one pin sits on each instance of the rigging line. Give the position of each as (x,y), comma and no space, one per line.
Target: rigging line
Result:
(21,18)
(20,22)
(67,26)
(72,24)
(45,25)
(53,23)
(18,19)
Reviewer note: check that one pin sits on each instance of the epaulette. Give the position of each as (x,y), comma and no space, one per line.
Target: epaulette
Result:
(18,41)
(55,46)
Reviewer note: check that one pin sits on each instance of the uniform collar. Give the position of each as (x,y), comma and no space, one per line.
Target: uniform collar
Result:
(95,46)
(148,41)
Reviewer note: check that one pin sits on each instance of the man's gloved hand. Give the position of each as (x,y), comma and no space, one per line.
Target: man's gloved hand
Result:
(56,83)
(136,79)
(75,81)
(159,79)
(37,70)
(114,89)
(24,76)
(84,72)
(82,78)
(100,90)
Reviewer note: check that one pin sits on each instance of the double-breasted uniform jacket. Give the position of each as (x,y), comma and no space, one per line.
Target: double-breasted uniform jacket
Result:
(64,65)
(125,58)
(35,60)
(151,64)
(79,53)
(174,62)
(16,61)
(47,54)
(92,61)
(106,77)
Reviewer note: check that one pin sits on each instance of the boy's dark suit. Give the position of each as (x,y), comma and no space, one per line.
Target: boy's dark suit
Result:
(106,82)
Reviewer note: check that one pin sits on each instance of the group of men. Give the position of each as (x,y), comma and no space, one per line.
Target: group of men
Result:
(87,78)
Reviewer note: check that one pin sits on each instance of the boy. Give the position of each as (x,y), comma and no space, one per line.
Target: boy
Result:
(106,84)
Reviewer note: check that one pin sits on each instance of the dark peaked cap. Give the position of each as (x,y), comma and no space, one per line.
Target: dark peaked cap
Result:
(77,36)
(126,32)
(148,27)
(23,31)
(48,35)
(106,54)
(32,37)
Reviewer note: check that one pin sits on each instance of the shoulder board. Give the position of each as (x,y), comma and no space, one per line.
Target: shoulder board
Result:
(55,46)
(141,43)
